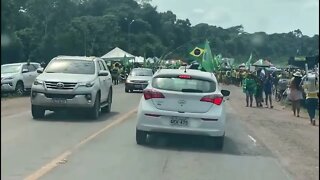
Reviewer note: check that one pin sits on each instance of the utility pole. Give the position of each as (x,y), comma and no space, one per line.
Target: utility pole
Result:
(129,29)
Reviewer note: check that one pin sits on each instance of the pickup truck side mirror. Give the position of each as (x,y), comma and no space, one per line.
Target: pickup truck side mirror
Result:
(103,73)
(25,70)
(225,92)
(40,70)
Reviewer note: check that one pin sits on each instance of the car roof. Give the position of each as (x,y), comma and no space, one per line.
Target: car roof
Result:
(85,58)
(20,63)
(191,72)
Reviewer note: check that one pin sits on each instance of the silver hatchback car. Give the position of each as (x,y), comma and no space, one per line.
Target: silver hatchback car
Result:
(182,102)
(138,79)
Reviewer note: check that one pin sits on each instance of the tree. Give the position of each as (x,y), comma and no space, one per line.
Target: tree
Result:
(41,29)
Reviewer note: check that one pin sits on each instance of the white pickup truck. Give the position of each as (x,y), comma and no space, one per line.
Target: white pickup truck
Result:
(18,77)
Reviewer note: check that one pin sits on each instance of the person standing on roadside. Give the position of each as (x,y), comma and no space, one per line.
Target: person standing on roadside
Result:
(311,88)
(249,87)
(259,91)
(295,94)
(267,87)
(115,74)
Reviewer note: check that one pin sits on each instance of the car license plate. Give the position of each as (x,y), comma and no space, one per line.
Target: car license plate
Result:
(59,101)
(179,121)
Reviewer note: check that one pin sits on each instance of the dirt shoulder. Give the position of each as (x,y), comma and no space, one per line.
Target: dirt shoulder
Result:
(292,140)
(12,105)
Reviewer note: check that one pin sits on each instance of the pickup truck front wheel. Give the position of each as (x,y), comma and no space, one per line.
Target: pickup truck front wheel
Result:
(37,112)
(94,112)
(19,88)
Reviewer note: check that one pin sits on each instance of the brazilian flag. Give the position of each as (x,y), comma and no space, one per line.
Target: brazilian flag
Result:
(197,52)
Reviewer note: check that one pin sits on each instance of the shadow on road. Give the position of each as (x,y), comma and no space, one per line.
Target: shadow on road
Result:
(192,144)
(74,116)
(13,95)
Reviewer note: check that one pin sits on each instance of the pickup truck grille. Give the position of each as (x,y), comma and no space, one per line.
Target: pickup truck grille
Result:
(60,85)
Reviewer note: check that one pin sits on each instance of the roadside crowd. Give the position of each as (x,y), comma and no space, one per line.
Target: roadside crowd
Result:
(301,86)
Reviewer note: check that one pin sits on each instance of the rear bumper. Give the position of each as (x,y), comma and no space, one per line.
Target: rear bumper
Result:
(135,86)
(215,126)
(214,132)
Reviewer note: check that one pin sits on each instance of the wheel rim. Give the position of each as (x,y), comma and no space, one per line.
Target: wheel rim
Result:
(19,90)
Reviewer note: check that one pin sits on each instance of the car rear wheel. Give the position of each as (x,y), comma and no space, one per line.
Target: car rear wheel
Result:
(95,110)
(219,141)
(37,112)
(141,137)
(19,89)
(216,143)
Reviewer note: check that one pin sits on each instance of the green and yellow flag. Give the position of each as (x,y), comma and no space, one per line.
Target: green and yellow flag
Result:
(248,63)
(197,52)
(208,63)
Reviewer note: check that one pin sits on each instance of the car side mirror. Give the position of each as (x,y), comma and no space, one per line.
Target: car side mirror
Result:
(103,73)
(25,70)
(40,70)
(225,92)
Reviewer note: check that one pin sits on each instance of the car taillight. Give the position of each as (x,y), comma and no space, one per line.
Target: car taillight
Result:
(212,99)
(151,94)
(183,76)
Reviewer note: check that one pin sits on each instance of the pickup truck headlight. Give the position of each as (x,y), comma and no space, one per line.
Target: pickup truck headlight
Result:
(38,82)
(87,84)
(128,81)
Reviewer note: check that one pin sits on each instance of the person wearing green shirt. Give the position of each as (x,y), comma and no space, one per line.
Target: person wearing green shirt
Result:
(249,88)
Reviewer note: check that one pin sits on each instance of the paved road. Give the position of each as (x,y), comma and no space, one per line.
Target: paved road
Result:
(63,146)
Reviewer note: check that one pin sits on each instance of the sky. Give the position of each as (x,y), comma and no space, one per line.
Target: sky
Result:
(270,16)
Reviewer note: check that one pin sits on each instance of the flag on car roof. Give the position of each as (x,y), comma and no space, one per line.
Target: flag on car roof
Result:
(197,52)
(208,63)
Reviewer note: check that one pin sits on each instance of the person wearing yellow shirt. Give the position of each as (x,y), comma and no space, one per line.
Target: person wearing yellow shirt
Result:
(311,88)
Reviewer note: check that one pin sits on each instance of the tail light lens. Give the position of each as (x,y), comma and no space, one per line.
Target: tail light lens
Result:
(183,76)
(212,99)
(151,94)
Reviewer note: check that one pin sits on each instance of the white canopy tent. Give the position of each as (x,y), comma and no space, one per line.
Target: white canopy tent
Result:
(139,59)
(117,54)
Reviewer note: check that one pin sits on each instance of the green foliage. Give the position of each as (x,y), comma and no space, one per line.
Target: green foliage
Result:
(41,29)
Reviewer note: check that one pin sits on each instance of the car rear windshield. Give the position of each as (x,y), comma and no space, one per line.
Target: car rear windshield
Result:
(141,72)
(71,67)
(184,85)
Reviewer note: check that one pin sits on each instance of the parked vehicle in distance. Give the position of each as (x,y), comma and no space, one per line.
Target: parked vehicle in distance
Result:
(182,102)
(18,77)
(72,82)
(138,79)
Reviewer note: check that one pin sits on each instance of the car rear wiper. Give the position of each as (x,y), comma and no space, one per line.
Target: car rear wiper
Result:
(191,90)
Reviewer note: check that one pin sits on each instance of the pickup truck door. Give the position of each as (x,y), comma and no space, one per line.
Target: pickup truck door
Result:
(103,83)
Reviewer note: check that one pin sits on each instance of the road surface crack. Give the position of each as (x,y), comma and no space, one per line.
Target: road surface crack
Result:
(165,164)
